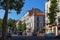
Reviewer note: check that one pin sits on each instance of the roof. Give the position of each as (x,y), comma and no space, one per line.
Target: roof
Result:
(36,12)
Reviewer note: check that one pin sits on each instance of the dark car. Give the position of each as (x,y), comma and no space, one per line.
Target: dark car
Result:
(50,35)
(58,36)
(34,34)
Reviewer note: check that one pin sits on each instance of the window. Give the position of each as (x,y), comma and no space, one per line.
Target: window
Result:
(46,21)
(37,18)
(59,20)
(58,1)
(58,7)
(58,28)
(37,24)
(37,21)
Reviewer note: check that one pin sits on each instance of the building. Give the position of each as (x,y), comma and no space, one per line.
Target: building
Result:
(47,5)
(34,19)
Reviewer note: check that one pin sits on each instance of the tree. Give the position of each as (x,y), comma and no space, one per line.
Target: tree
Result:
(11,22)
(9,5)
(24,26)
(20,26)
(0,23)
(42,30)
(52,11)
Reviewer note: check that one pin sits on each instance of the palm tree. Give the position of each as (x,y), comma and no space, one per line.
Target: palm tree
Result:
(9,5)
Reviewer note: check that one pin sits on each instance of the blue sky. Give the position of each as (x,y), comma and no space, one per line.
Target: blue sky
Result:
(29,4)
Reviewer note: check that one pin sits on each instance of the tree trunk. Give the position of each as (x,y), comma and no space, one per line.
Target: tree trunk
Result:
(4,24)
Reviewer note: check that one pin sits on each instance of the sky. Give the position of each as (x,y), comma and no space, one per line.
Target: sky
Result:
(28,5)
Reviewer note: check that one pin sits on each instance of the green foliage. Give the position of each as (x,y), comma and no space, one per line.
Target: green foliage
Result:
(9,5)
(24,26)
(42,30)
(0,23)
(11,22)
(21,26)
(13,4)
(52,9)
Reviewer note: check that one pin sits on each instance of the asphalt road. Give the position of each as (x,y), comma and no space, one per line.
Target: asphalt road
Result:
(31,38)
(15,37)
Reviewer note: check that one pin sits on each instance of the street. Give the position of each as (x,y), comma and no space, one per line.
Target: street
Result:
(31,38)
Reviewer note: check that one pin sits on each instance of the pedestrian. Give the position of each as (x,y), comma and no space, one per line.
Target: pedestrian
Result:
(9,35)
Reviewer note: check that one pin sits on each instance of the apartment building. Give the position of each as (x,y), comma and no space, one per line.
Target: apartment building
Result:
(34,19)
(47,5)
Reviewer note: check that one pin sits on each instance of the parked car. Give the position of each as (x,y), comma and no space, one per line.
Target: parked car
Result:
(20,33)
(34,34)
(58,36)
(50,35)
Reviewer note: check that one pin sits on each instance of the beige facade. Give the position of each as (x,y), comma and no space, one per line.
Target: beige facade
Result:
(29,20)
(47,5)
(34,19)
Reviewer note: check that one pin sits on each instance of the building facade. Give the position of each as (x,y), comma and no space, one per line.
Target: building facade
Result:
(47,5)
(34,19)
